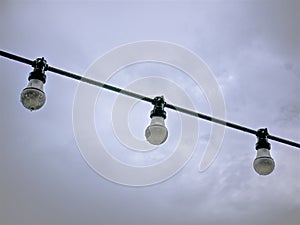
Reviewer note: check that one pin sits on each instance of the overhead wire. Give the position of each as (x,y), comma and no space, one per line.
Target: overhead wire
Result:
(147,99)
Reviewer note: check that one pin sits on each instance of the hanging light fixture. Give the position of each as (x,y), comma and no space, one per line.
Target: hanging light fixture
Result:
(156,133)
(33,96)
(263,163)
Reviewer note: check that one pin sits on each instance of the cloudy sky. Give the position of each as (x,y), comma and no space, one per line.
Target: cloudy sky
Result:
(253,50)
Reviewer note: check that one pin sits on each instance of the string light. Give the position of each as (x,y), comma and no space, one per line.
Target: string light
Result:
(263,163)
(157,133)
(33,98)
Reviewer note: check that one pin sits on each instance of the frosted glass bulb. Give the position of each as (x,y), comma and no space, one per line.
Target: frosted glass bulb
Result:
(156,133)
(263,163)
(33,97)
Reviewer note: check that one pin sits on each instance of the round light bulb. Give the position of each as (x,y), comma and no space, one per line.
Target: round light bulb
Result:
(33,97)
(156,133)
(263,163)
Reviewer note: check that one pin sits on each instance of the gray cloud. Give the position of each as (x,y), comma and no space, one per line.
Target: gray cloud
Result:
(252,47)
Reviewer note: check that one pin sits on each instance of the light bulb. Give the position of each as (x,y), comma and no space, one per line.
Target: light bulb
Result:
(33,97)
(263,163)
(156,133)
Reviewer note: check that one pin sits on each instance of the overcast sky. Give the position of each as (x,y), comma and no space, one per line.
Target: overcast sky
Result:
(253,49)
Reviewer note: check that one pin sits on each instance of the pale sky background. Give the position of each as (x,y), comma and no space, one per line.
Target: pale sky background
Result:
(253,48)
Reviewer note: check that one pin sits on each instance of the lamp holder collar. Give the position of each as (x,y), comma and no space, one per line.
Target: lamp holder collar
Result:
(262,139)
(158,110)
(40,66)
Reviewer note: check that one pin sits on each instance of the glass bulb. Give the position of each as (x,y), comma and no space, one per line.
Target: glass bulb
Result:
(263,163)
(33,97)
(156,133)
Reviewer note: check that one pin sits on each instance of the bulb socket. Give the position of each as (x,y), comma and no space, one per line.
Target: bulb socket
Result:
(262,139)
(38,73)
(158,110)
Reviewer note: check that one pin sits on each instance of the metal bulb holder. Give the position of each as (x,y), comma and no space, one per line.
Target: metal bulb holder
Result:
(33,96)
(263,163)
(156,133)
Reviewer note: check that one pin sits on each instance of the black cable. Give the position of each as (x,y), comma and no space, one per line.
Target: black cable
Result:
(100,84)
(16,58)
(147,99)
(211,119)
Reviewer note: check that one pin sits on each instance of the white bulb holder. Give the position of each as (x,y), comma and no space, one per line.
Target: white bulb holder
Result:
(263,164)
(157,133)
(33,96)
